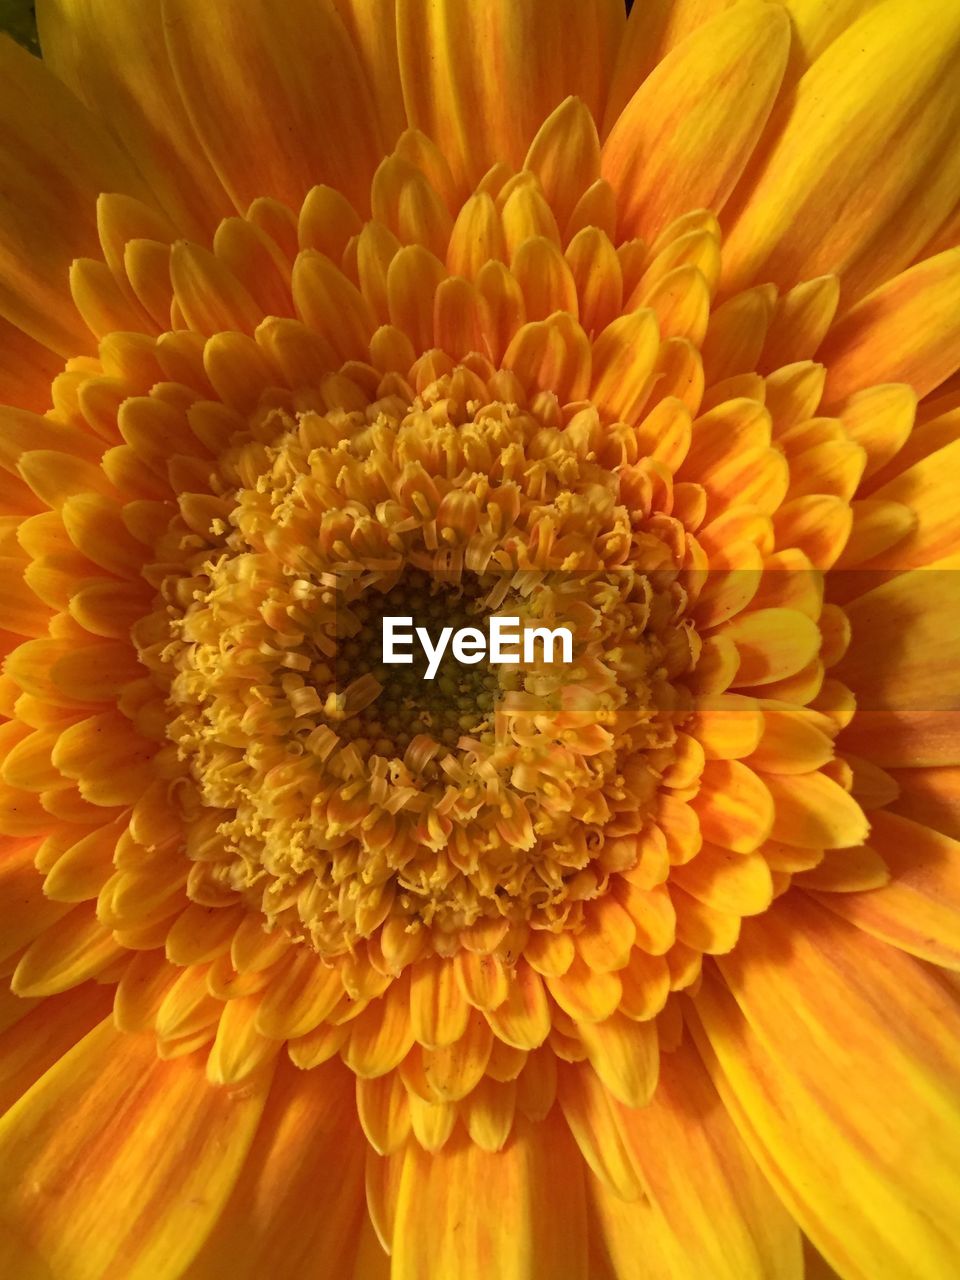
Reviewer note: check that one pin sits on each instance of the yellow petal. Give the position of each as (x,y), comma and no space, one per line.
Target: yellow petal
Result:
(815,1019)
(687,133)
(527,1213)
(702,929)
(27,370)
(814,812)
(483,979)
(307,1123)
(881,420)
(645,980)
(737,333)
(148,1138)
(43,1033)
(800,322)
(547,282)
(735,809)
(138,89)
(68,953)
(625,1055)
(589,1111)
(623,362)
(907,330)
(58,158)
(840,190)
(843,871)
(329,303)
(565,156)
(607,937)
(239,1050)
(818,524)
(916,616)
(728,727)
(772,643)
(299,999)
(477,237)
(546,52)
(919,910)
(793,741)
(413,278)
(552,355)
(584,994)
(681,303)
(488,1112)
(523,1019)
(210,296)
(438,1010)
(736,883)
(719,1213)
(382,1036)
(254,97)
(383,1112)
(455,1070)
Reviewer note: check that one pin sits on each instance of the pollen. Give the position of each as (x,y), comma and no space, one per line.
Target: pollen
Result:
(336,793)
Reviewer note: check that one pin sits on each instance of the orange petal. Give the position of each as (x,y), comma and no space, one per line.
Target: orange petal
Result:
(908,330)
(687,133)
(589,1111)
(736,883)
(450,94)
(625,1055)
(438,1010)
(254,97)
(527,1213)
(735,809)
(772,643)
(307,1122)
(919,910)
(523,1019)
(148,1138)
(43,1033)
(139,89)
(816,1017)
(814,812)
(719,1213)
(839,190)
(58,158)
(68,953)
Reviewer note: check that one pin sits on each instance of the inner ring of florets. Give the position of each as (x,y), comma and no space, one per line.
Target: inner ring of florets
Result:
(337,798)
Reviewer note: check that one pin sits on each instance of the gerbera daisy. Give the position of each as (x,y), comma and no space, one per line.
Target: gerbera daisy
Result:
(641,966)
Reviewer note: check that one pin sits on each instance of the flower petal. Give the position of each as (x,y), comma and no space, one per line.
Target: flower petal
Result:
(839,1073)
(902,658)
(56,159)
(862,170)
(719,1213)
(256,82)
(112,54)
(919,910)
(118,1162)
(544,51)
(44,1033)
(908,330)
(308,1124)
(687,133)
(517,1214)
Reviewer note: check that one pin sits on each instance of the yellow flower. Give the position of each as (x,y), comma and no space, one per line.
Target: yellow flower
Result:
(638,966)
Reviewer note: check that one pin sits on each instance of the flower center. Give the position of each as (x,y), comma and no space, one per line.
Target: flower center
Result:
(338,792)
(456,699)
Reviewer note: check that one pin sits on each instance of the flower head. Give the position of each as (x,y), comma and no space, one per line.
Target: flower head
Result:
(601,968)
